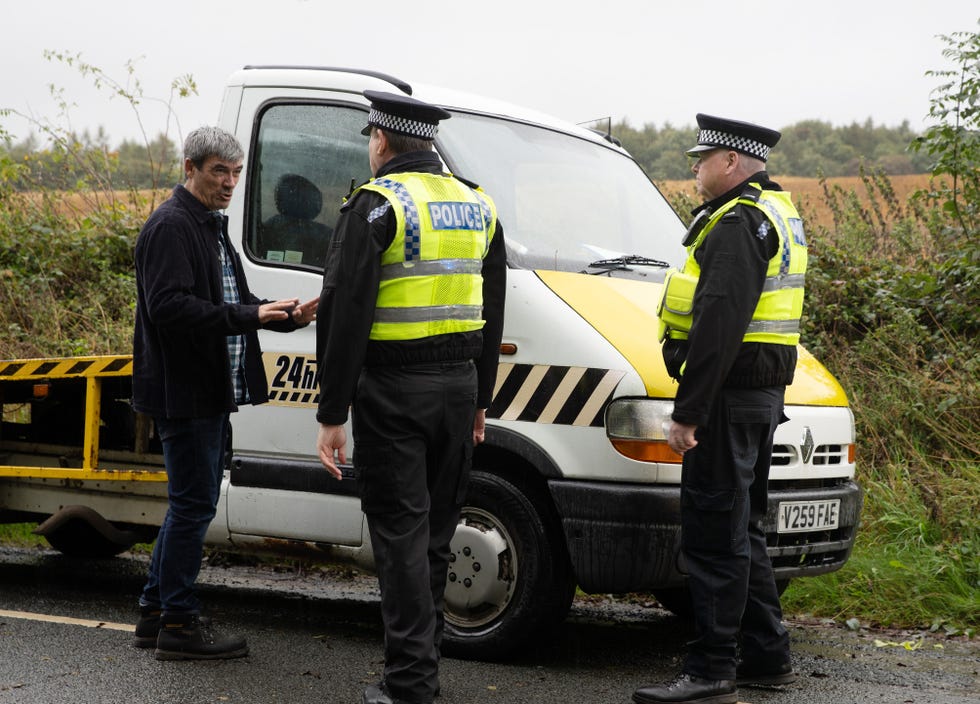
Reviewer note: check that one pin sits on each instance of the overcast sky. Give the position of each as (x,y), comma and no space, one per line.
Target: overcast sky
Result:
(646,61)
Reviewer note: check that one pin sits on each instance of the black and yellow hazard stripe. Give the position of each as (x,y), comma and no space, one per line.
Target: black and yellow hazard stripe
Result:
(282,397)
(93,370)
(69,367)
(538,393)
(541,393)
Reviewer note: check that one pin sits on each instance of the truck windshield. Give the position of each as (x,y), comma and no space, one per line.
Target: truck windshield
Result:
(564,202)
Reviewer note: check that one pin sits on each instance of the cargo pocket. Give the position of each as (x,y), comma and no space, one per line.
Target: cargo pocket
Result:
(463,484)
(706,517)
(748,426)
(761,415)
(377,480)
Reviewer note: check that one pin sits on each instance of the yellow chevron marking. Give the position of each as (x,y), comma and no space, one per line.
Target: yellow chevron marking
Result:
(561,394)
(503,371)
(525,393)
(601,393)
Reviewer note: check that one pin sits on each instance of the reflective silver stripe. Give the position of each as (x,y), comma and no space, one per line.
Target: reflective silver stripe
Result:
(776,283)
(487,220)
(787,327)
(413,227)
(426,314)
(433,267)
(784,231)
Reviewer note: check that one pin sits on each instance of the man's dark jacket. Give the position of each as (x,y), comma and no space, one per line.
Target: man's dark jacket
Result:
(180,352)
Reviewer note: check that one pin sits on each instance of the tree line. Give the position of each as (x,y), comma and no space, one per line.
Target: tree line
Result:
(87,161)
(809,148)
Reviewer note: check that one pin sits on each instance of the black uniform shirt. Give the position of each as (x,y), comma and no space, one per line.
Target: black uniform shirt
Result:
(734,259)
(351,278)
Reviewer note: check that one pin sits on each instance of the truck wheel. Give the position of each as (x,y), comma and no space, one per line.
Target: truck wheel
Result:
(677,600)
(509,582)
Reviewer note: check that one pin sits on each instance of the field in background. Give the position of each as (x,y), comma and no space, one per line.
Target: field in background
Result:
(80,203)
(808,193)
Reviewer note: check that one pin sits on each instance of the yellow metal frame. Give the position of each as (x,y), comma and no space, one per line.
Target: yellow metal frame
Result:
(93,370)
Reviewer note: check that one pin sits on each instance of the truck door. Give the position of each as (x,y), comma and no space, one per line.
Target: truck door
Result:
(302,154)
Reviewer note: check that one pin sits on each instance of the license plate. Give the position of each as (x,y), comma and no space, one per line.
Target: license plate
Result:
(799,516)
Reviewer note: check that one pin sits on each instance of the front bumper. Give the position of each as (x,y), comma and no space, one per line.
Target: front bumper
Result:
(626,537)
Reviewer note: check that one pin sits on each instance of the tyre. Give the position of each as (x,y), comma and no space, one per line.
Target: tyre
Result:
(677,600)
(510,581)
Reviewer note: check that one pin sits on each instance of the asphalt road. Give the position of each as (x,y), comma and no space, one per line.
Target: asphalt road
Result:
(65,637)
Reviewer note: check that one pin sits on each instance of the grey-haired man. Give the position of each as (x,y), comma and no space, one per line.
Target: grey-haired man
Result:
(196,358)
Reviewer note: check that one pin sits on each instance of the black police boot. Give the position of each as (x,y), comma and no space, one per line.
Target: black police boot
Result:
(376,694)
(688,689)
(761,675)
(147,627)
(379,694)
(190,637)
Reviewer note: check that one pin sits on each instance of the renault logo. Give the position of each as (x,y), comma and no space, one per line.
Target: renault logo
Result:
(806,445)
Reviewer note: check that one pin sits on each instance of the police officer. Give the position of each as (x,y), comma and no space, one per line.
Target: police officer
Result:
(730,320)
(409,330)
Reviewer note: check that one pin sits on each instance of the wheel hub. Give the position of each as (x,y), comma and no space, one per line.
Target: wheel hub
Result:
(481,570)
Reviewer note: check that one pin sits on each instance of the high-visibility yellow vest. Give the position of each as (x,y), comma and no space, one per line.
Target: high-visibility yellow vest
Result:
(776,319)
(431,282)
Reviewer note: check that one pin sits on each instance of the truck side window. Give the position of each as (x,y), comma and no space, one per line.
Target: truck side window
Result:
(301,167)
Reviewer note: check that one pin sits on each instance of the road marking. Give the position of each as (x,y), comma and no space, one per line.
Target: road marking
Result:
(65,619)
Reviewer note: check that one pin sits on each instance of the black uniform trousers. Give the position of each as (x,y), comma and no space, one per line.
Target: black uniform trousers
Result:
(413,436)
(723,502)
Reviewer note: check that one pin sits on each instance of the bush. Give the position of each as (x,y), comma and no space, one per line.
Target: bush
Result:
(894,311)
(67,285)
(69,217)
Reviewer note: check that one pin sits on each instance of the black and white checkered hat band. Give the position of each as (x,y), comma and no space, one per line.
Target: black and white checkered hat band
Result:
(733,141)
(414,128)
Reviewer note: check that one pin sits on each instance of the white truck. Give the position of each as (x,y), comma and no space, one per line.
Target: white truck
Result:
(574,486)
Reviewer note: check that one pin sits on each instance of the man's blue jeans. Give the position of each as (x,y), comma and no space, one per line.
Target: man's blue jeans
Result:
(193,452)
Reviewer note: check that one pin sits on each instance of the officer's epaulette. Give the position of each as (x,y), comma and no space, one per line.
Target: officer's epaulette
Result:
(354,185)
(469,183)
(345,201)
(751,192)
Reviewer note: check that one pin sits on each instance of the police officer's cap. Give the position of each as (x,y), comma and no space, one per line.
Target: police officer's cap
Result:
(744,137)
(403,114)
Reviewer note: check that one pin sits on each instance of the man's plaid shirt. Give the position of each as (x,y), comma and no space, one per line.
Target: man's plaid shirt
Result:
(236,343)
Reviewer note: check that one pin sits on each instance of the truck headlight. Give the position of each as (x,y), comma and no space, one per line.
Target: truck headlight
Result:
(635,427)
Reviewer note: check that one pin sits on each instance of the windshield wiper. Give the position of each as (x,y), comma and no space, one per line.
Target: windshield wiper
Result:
(622,263)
